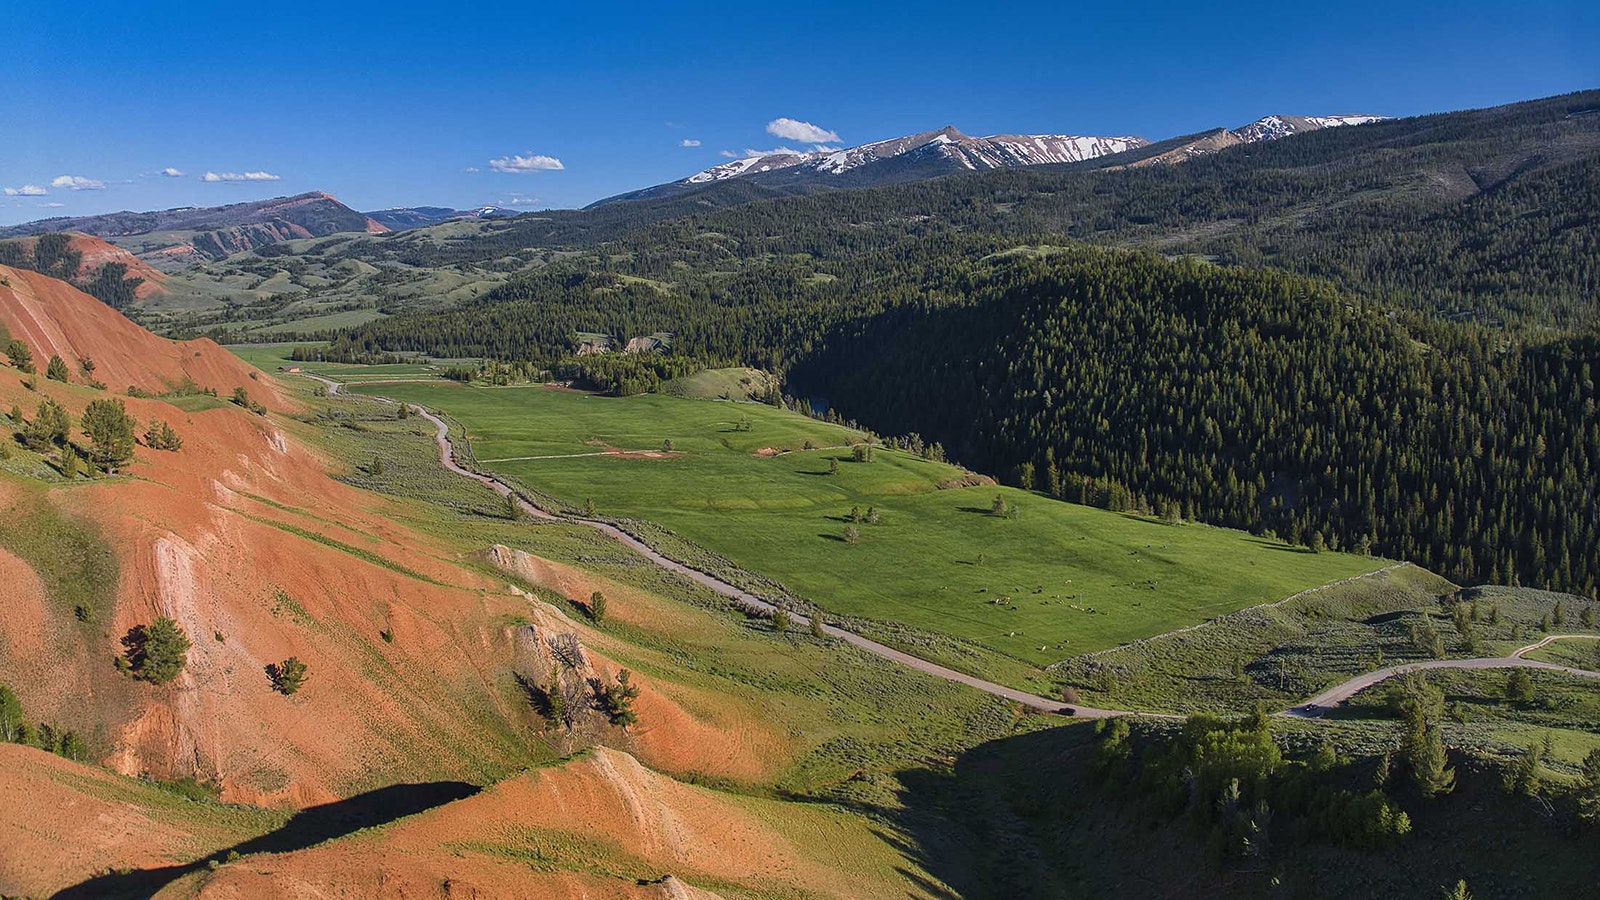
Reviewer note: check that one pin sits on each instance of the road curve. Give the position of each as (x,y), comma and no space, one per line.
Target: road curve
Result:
(1310,709)
(733,592)
(1316,706)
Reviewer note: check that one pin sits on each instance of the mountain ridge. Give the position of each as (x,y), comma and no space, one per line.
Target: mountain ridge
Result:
(947,150)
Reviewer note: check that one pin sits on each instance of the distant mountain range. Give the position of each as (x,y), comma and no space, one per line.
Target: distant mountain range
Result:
(407,217)
(946,151)
(172,238)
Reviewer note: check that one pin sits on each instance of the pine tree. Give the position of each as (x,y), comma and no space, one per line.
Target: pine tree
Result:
(161,436)
(72,746)
(617,700)
(56,369)
(557,698)
(50,426)
(156,652)
(1589,788)
(69,463)
(287,677)
(1422,706)
(110,431)
(1519,686)
(20,356)
(597,606)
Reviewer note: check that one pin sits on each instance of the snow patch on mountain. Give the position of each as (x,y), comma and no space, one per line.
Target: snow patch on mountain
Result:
(1271,128)
(994,152)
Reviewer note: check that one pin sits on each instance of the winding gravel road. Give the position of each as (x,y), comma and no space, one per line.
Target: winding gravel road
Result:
(1311,709)
(1316,706)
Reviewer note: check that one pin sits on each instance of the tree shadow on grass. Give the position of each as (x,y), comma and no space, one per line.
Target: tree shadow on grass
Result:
(306,828)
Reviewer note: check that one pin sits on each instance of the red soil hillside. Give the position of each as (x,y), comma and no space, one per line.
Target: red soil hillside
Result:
(629,831)
(78,821)
(55,318)
(245,540)
(95,253)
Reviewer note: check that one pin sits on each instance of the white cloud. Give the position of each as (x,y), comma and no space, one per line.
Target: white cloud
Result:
(472,168)
(775,151)
(821,149)
(238,176)
(522,201)
(51,205)
(27,190)
(533,162)
(796,130)
(170,172)
(78,183)
(688,142)
(728,153)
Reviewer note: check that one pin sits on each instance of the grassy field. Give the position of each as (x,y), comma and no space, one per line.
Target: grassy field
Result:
(721,384)
(1055,581)
(271,357)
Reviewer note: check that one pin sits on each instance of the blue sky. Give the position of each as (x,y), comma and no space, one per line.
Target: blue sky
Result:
(397,104)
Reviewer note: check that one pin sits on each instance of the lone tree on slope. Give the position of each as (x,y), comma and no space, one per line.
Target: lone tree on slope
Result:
(111,433)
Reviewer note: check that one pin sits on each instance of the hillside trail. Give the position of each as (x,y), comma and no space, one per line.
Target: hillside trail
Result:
(1311,709)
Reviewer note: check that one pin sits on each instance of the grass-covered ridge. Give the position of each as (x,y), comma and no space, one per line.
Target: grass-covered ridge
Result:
(1056,580)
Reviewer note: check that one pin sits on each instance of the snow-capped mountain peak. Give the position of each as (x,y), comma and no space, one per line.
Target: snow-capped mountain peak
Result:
(946,145)
(1274,127)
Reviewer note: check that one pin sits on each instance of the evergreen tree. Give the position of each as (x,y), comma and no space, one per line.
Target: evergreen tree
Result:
(161,436)
(1589,788)
(617,700)
(20,356)
(287,677)
(56,370)
(1422,706)
(155,653)
(50,426)
(1519,686)
(110,432)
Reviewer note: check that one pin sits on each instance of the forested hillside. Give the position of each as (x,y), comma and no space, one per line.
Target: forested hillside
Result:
(1258,400)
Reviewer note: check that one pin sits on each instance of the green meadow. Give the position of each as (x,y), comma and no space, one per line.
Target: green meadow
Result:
(271,357)
(1054,581)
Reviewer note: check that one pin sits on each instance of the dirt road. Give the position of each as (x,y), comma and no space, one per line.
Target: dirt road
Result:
(1321,703)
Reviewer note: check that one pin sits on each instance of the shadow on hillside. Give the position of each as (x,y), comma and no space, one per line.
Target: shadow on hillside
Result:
(1027,816)
(306,828)
(970,825)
